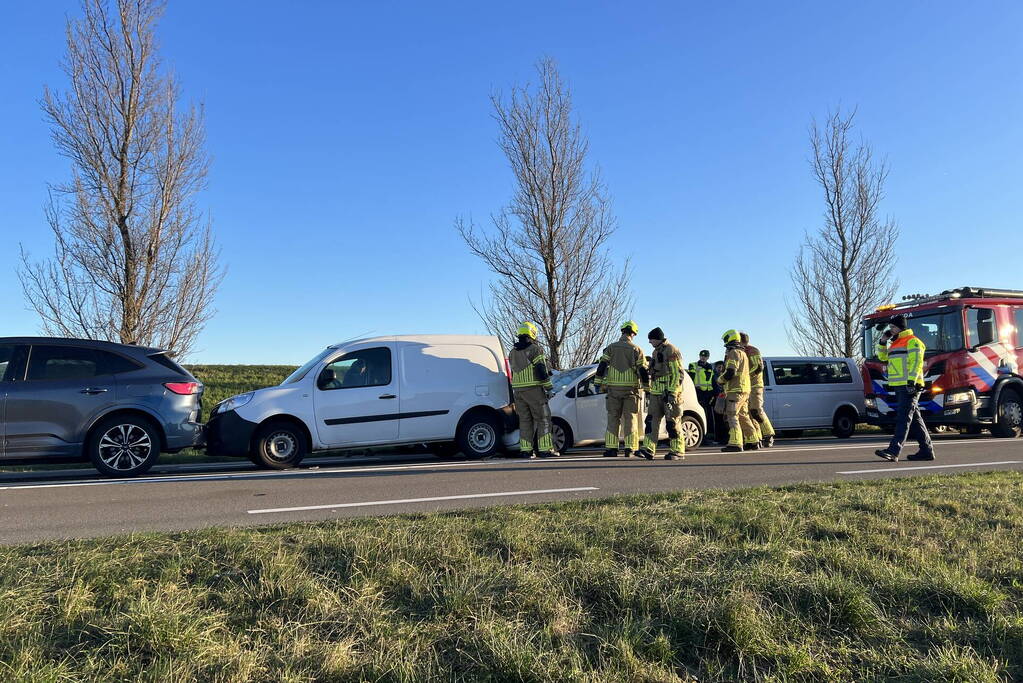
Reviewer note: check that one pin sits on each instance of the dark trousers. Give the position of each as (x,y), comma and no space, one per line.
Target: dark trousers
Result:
(909,423)
(706,400)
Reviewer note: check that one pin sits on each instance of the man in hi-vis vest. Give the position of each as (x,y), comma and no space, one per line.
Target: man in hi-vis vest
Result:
(905,371)
(531,382)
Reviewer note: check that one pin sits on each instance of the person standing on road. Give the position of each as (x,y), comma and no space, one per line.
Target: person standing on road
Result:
(622,374)
(735,382)
(531,382)
(756,393)
(702,373)
(905,371)
(665,400)
(720,403)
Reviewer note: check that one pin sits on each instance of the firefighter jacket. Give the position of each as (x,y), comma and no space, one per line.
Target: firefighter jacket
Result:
(665,369)
(703,375)
(528,366)
(735,379)
(756,366)
(905,358)
(622,365)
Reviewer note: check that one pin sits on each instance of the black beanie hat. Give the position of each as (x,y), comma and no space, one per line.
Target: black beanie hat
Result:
(656,333)
(900,322)
(705,352)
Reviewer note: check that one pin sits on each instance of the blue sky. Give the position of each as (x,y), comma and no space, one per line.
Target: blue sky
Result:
(346,137)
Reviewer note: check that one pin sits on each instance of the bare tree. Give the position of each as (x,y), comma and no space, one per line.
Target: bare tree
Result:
(548,247)
(134,259)
(847,268)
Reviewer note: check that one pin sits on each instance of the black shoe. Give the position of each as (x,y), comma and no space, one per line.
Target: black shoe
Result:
(549,454)
(525,456)
(920,456)
(732,449)
(675,456)
(627,453)
(611,453)
(644,453)
(885,454)
(768,441)
(751,446)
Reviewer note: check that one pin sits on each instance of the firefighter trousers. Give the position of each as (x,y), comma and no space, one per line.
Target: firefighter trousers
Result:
(670,410)
(740,427)
(622,416)
(758,414)
(534,420)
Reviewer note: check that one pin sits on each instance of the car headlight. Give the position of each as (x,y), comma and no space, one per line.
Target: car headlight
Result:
(871,403)
(234,402)
(954,397)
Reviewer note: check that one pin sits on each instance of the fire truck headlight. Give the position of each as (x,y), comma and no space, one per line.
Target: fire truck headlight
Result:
(960,397)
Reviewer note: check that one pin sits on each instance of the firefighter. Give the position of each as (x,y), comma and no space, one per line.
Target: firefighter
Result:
(720,402)
(622,374)
(665,398)
(756,394)
(905,371)
(702,373)
(735,381)
(531,382)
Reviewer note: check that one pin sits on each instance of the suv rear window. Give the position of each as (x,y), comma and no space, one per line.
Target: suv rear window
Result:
(74,362)
(166,361)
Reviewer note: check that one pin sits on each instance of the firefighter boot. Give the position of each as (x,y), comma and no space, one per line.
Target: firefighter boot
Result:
(768,441)
(610,452)
(672,455)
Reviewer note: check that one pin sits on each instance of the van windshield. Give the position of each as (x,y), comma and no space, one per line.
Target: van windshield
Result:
(301,372)
(940,332)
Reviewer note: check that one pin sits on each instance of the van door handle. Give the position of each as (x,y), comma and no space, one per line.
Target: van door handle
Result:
(387,396)
(94,390)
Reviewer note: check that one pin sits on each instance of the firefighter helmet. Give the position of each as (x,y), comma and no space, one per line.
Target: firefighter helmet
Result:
(630,326)
(730,337)
(527,328)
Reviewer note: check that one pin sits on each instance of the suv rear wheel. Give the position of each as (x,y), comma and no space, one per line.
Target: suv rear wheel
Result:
(123,446)
(278,446)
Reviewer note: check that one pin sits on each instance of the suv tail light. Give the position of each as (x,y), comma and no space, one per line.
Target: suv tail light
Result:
(183,388)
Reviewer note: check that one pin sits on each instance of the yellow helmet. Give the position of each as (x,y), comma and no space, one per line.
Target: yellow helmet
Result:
(730,336)
(527,328)
(630,326)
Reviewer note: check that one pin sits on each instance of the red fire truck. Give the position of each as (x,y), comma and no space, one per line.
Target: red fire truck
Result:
(974,339)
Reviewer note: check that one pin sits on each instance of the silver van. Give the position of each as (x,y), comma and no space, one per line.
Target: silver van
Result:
(813,393)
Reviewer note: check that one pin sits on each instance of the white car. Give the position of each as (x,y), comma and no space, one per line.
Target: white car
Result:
(579,415)
(813,393)
(447,389)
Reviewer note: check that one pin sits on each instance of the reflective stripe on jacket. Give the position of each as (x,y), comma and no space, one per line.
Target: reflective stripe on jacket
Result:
(756,366)
(666,369)
(523,363)
(905,359)
(736,359)
(624,361)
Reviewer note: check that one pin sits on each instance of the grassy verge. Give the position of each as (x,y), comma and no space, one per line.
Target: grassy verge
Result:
(918,580)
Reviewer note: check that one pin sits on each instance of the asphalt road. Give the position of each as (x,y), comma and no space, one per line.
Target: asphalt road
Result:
(49,506)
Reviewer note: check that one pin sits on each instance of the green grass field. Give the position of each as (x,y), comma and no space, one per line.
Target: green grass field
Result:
(909,579)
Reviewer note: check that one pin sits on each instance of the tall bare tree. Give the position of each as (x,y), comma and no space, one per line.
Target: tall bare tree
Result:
(847,267)
(548,247)
(134,259)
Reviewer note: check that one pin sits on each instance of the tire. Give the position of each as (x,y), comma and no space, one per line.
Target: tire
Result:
(279,445)
(790,433)
(692,432)
(478,435)
(1010,415)
(844,424)
(562,435)
(124,446)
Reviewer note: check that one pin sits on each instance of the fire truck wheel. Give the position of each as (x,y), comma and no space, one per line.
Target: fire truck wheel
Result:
(1010,415)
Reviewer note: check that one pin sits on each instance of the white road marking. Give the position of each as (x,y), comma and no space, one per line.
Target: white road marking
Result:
(912,468)
(420,500)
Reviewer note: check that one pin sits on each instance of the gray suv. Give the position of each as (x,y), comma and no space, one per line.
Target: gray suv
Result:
(116,405)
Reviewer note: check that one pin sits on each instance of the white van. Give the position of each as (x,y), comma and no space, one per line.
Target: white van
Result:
(579,412)
(813,393)
(382,391)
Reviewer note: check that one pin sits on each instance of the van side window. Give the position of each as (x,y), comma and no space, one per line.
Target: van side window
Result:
(1018,312)
(981,324)
(787,374)
(363,368)
(834,373)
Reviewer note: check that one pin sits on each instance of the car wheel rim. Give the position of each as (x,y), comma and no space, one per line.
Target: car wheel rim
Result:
(125,447)
(482,438)
(691,432)
(559,437)
(281,446)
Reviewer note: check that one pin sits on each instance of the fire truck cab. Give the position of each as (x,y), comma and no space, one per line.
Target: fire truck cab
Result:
(974,340)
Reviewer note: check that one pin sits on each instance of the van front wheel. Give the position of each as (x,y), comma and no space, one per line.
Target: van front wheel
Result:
(279,446)
(478,435)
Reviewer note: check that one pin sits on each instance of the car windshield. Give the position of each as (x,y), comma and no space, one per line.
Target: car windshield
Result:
(562,378)
(301,372)
(939,331)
